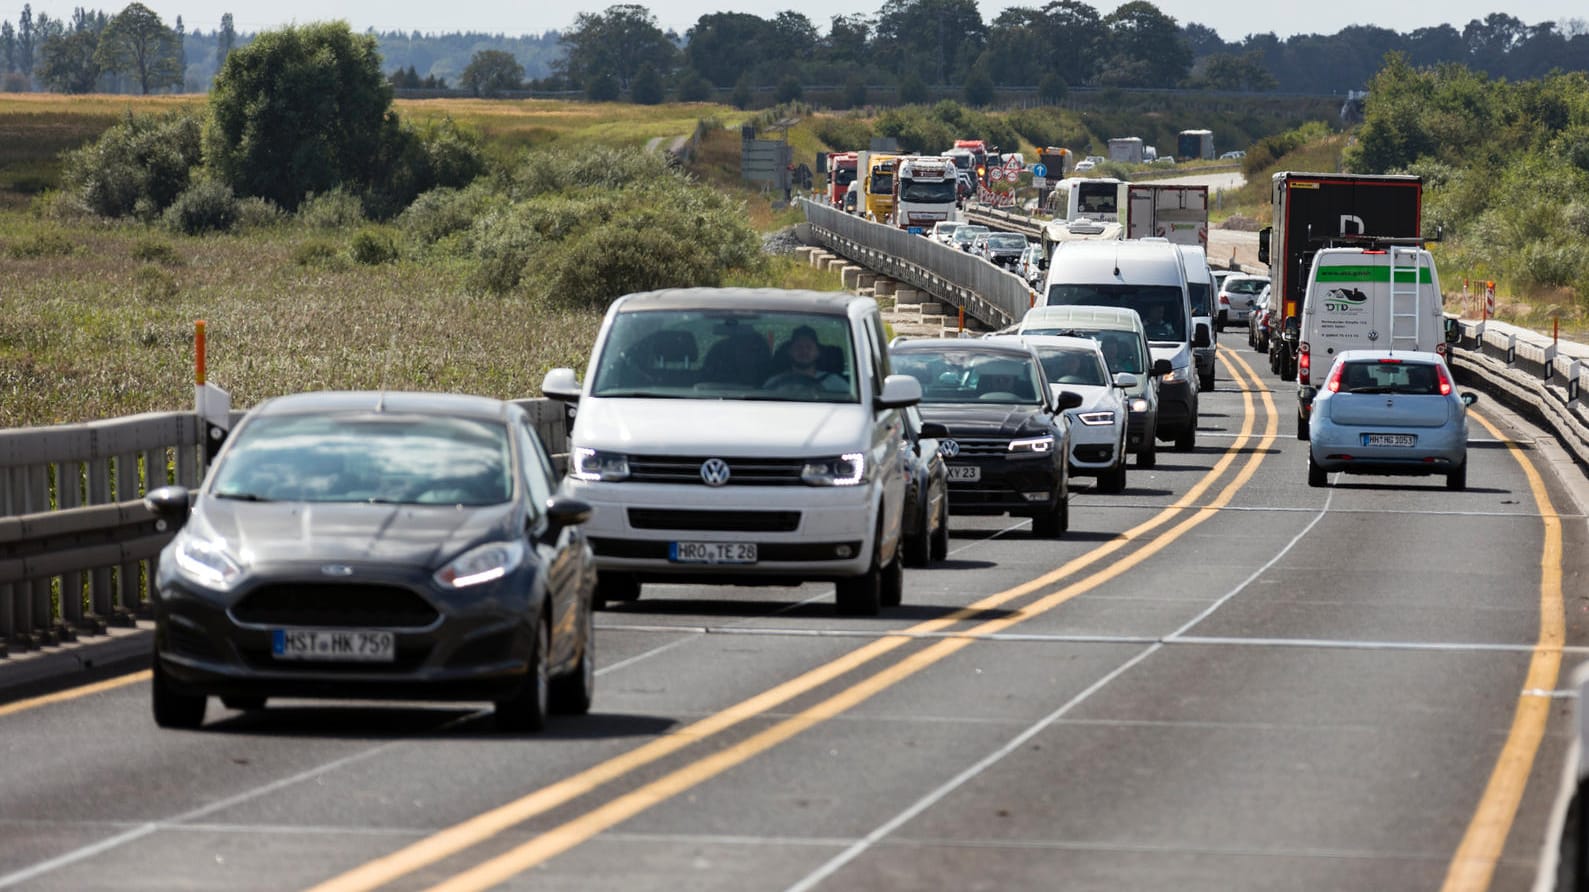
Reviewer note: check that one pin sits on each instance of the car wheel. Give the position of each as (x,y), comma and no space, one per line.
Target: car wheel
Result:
(916,549)
(1458,479)
(1114,479)
(1302,428)
(859,595)
(614,587)
(1149,456)
(1205,384)
(572,694)
(940,536)
(243,704)
(891,584)
(1288,369)
(1053,524)
(1316,474)
(526,710)
(173,708)
(1186,440)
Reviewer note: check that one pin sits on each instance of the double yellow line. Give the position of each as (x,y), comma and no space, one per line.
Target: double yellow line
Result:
(545,846)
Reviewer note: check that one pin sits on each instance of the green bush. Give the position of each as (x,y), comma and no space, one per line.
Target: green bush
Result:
(372,246)
(43,243)
(137,167)
(205,206)
(336,209)
(152,283)
(150,250)
(844,134)
(439,213)
(318,252)
(259,213)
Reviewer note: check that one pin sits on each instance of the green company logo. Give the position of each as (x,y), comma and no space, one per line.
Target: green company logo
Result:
(1342,300)
(1370,274)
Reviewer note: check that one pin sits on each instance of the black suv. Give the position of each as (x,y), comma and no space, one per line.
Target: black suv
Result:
(1007,434)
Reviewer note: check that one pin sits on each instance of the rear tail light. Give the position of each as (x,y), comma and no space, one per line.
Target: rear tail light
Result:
(1304,364)
(1445,379)
(1334,384)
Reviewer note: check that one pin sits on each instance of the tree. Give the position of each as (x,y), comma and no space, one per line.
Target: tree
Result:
(847,38)
(979,89)
(694,88)
(137,43)
(68,62)
(647,88)
(789,90)
(1147,47)
(8,47)
(491,72)
(615,43)
(744,95)
(603,88)
(854,91)
(225,40)
(1052,89)
(301,110)
(912,90)
(724,45)
(935,39)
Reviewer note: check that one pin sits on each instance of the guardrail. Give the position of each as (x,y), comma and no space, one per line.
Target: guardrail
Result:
(1535,375)
(77,546)
(988,293)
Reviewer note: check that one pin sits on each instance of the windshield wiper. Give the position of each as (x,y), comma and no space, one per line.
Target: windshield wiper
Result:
(639,394)
(242,496)
(1369,390)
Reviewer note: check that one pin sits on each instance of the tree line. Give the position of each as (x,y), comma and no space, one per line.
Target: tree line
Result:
(883,57)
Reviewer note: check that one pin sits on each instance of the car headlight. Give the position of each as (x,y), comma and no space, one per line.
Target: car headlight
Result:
(1139,405)
(848,469)
(207,563)
(484,563)
(593,464)
(1175,376)
(1096,419)
(1041,444)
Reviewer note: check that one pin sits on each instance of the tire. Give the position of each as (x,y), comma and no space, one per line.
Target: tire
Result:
(1186,440)
(1114,479)
(1316,474)
(1458,480)
(916,550)
(571,694)
(1288,369)
(940,538)
(1053,524)
(1205,384)
(614,588)
(860,595)
(1149,456)
(173,708)
(527,709)
(891,584)
(243,704)
(1302,428)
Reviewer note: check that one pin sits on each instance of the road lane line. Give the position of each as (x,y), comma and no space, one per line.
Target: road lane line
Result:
(108,684)
(560,839)
(472,832)
(1473,865)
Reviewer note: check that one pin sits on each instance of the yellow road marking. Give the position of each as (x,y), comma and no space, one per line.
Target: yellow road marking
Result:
(579,830)
(1473,865)
(109,684)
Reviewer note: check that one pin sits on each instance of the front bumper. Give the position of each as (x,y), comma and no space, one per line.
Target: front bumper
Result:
(1095,449)
(1023,486)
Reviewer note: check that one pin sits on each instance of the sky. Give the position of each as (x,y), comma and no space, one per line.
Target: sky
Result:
(1233,20)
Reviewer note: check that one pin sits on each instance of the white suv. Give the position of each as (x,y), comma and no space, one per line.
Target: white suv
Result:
(741,436)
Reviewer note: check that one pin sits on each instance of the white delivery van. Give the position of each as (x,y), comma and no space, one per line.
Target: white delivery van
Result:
(1384,297)
(1200,287)
(1145,276)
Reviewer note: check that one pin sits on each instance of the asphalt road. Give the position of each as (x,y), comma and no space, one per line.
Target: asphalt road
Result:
(1219,679)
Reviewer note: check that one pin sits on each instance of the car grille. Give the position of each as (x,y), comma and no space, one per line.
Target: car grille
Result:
(747,521)
(742,471)
(335,606)
(981,446)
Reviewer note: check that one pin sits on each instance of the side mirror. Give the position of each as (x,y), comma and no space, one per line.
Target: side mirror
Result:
(1162,367)
(1201,337)
(560,384)
(1306,393)
(1263,244)
(1065,400)
(171,505)
(565,511)
(932,430)
(1453,331)
(899,391)
(1469,398)
(1125,380)
(1293,327)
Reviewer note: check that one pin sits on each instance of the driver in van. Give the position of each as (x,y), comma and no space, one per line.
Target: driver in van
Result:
(804,351)
(1153,320)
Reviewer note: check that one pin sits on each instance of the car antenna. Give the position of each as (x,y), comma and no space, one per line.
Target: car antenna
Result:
(386,367)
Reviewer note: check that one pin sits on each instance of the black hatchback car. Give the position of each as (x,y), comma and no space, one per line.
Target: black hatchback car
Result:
(1006,433)
(375,545)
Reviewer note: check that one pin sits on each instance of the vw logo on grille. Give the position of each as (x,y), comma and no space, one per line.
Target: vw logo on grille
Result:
(1373,334)
(948,448)
(714,471)
(337,570)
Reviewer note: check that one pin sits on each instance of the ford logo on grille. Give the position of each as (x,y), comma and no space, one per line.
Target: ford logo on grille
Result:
(337,570)
(948,448)
(714,471)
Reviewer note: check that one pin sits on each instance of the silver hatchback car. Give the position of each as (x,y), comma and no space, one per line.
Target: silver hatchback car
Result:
(1388,412)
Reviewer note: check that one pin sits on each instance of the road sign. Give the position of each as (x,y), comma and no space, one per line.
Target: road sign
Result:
(1039,170)
(1039,182)
(1015,163)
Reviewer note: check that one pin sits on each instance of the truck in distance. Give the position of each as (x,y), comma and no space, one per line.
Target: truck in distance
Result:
(925,192)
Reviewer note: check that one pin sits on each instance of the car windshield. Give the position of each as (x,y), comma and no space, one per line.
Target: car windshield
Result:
(1069,365)
(718,354)
(1244,286)
(1007,241)
(1416,378)
(1122,349)
(1160,306)
(927,192)
(965,376)
(1202,302)
(967,233)
(367,457)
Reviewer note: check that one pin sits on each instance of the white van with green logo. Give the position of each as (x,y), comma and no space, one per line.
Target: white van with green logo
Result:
(1381,298)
